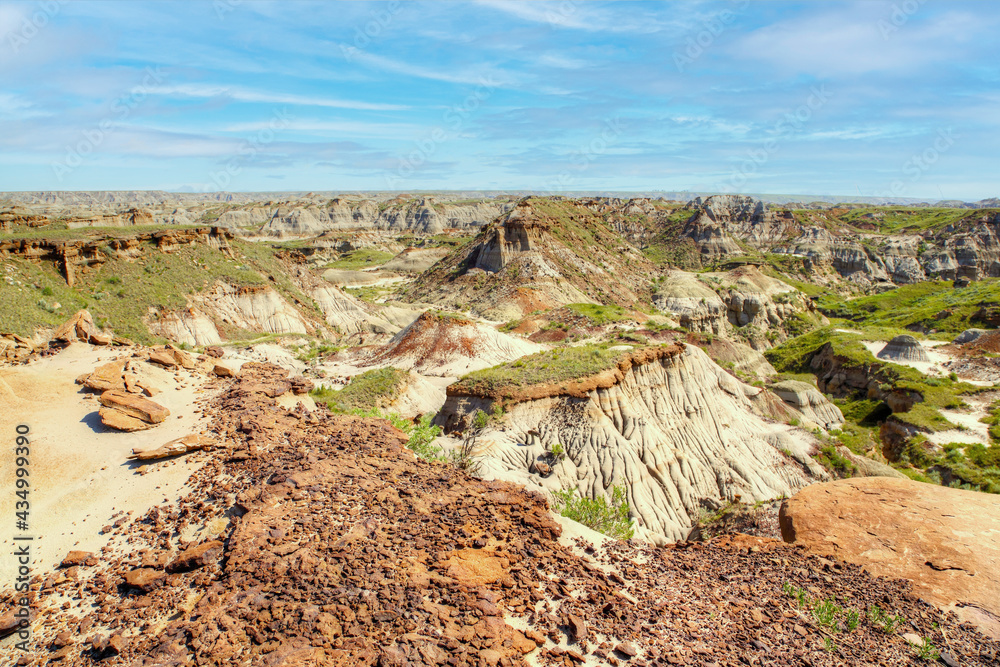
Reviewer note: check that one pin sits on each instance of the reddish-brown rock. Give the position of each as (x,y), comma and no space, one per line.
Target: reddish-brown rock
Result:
(145,578)
(196,556)
(134,406)
(946,541)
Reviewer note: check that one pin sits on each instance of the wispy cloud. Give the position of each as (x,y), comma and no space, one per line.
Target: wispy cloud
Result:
(267,97)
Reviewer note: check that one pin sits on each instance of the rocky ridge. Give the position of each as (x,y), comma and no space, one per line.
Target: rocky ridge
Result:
(338,547)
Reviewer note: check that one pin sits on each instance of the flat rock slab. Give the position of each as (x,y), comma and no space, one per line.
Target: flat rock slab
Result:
(120,421)
(135,406)
(188,443)
(946,541)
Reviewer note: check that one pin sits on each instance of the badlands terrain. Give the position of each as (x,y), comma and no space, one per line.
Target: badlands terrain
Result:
(315,429)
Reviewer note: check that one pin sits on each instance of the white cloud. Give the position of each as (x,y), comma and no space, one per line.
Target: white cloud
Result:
(247,95)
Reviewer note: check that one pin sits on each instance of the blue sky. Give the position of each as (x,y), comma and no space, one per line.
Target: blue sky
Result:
(886,98)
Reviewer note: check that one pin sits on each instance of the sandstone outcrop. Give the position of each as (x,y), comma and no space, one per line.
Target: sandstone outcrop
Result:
(946,541)
(127,412)
(678,432)
(808,400)
(176,447)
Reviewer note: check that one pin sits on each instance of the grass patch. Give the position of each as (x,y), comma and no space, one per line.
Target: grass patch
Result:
(360,259)
(920,306)
(552,366)
(599,315)
(371,390)
(609,518)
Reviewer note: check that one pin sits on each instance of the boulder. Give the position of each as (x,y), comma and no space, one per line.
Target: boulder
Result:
(79,327)
(223,371)
(968,336)
(145,578)
(196,556)
(946,541)
(106,377)
(77,558)
(301,385)
(214,351)
(904,348)
(120,421)
(188,443)
(15,348)
(134,406)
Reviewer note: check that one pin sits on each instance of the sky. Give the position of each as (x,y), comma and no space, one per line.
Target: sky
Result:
(873,98)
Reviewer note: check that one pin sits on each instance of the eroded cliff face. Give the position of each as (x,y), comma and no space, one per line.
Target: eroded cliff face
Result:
(679,433)
(420,215)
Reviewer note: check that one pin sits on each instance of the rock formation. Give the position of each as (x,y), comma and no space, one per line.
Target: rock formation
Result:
(946,541)
(904,348)
(681,434)
(449,345)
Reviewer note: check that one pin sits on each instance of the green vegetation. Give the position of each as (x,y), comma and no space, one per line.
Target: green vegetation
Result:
(421,434)
(611,519)
(896,220)
(925,305)
(600,315)
(370,390)
(360,259)
(552,366)
(119,293)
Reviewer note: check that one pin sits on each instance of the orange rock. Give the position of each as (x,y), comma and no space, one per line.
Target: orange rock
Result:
(134,406)
(108,376)
(120,421)
(946,541)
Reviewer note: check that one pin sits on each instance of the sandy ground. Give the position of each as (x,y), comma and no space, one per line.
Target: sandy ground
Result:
(79,474)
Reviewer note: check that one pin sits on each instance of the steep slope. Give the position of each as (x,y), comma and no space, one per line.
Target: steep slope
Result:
(681,434)
(444,344)
(545,252)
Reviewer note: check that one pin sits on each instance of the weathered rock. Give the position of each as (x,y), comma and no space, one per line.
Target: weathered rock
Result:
(301,385)
(79,327)
(223,371)
(946,541)
(145,578)
(120,421)
(196,556)
(188,443)
(968,336)
(134,406)
(904,348)
(808,400)
(107,376)
(215,351)
(77,558)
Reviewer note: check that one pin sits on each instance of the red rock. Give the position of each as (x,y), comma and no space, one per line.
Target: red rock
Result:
(901,528)
(120,421)
(223,371)
(196,556)
(75,558)
(145,579)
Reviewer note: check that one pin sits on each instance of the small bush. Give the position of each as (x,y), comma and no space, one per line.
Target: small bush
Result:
(612,518)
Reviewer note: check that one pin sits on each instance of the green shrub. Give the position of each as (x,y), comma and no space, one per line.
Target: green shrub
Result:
(612,518)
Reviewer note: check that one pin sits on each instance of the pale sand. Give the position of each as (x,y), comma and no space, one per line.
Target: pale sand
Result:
(80,477)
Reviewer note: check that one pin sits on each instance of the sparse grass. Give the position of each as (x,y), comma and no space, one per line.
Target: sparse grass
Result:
(600,315)
(360,259)
(924,305)
(611,519)
(370,390)
(553,366)
(421,434)
(119,293)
